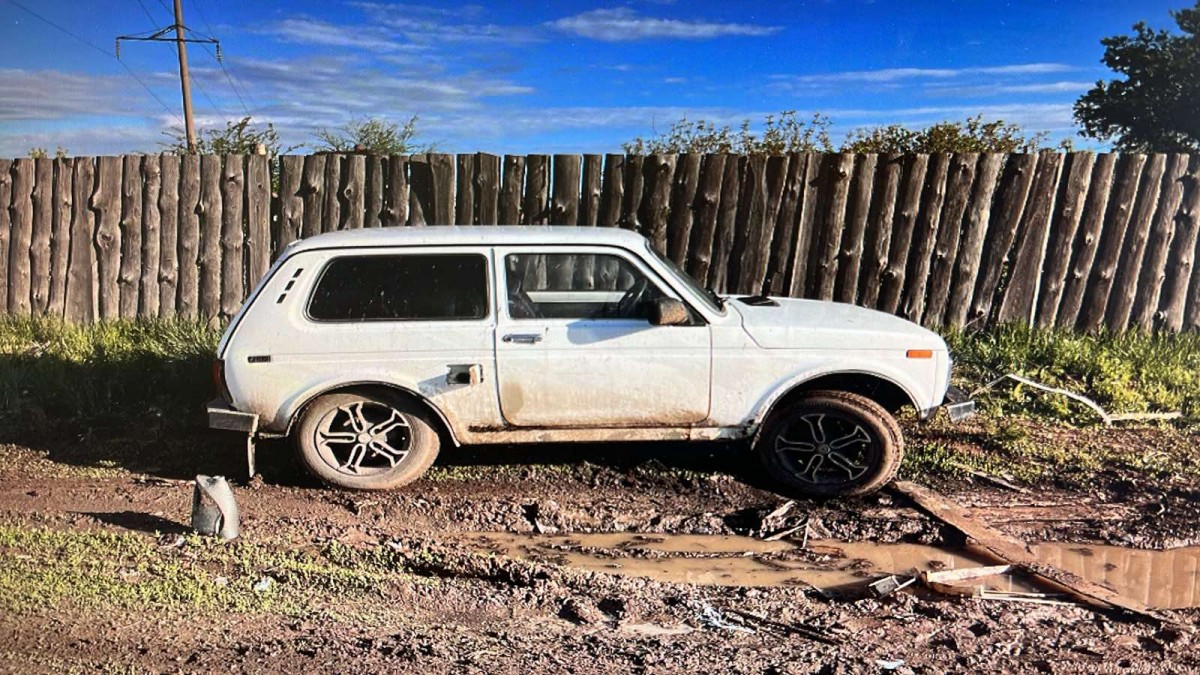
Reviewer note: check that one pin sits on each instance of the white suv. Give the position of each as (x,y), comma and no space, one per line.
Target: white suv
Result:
(371,348)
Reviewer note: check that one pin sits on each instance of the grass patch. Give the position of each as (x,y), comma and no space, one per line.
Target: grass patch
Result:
(1134,372)
(48,569)
(155,372)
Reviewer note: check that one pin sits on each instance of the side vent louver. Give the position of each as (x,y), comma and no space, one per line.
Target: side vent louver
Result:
(291,282)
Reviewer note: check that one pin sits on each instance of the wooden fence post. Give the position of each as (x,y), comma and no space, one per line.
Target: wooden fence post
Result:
(151,237)
(130,225)
(40,270)
(168,233)
(60,237)
(21,219)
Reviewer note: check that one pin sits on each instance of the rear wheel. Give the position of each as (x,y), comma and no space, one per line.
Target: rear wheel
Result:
(366,441)
(832,443)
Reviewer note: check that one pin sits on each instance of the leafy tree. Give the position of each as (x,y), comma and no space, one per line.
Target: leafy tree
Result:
(1156,108)
(40,153)
(374,135)
(237,138)
(971,135)
(780,135)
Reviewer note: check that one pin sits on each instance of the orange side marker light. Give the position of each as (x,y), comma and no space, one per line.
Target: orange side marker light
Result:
(919,354)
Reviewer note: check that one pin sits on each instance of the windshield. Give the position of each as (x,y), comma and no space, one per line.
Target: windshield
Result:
(708,297)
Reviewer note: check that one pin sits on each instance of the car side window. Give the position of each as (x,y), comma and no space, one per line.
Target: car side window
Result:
(577,286)
(408,287)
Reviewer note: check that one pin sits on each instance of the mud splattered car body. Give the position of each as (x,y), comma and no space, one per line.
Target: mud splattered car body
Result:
(417,336)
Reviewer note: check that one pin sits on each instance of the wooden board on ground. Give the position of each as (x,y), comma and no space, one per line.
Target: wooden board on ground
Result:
(1014,552)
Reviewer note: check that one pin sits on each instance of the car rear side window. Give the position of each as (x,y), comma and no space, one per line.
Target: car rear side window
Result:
(416,287)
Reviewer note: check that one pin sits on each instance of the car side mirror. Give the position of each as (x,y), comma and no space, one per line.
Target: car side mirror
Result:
(668,312)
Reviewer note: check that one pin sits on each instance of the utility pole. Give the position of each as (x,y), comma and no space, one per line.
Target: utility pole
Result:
(184,84)
(182,33)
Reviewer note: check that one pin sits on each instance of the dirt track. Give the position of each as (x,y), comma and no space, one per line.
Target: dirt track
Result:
(432,602)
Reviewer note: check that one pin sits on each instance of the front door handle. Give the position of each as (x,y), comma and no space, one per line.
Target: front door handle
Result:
(523,338)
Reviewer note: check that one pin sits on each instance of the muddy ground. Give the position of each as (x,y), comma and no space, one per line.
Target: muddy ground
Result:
(98,571)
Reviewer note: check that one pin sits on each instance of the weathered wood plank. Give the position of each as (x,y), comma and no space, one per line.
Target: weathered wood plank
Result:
(589,215)
(925,236)
(209,261)
(258,219)
(536,203)
(778,170)
(420,192)
(233,271)
(188,303)
(312,188)
(353,195)
(288,225)
(683,206)
(975,233)
(858,210)
(1130,169)
(564,210)
(1020,294)
(836,174)
(1063,228)
(60,237)
(659,170)
(784,237)
(1120,304)
(889,170)
(708,200)
(631,204)
(151,237)
(5,228)
(511,190)
(718,272)
(168,234)
(1012,196)
(958,193)
(1162,231)
(1181,265)
(396,192)
(331,204)
(441,166)
(20,210)
(807,234)
(106,201)
(745,270)
(1087,241)
(564,201)
(464,194)
(373,195)
(487,189)
(130,271)
(79,295)
(612,193)
(40,270)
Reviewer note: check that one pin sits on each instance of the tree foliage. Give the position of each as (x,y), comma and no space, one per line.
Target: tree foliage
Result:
(237,138)
(781,134)
(972,135)
(374,135)
(1156,108)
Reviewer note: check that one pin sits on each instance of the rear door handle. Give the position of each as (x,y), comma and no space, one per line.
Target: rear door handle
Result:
(523,338)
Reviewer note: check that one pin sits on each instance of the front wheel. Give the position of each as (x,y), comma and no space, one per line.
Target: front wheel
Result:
(366,441)
(832,444)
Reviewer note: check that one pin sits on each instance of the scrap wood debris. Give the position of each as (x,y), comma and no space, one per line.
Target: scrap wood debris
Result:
(1016,553)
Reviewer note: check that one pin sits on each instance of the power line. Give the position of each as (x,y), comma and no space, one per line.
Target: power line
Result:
(102,51)
(220,62)
(203,91)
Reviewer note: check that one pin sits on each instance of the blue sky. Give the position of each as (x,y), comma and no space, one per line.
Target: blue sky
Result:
(521,77)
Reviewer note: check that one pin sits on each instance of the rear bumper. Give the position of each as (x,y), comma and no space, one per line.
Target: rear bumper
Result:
(957,404)
(222,416)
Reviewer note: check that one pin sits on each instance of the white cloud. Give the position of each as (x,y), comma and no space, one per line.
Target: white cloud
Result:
(441,25)
(997,89)
(897,74)
(624,24)
(322,33)
(54,94)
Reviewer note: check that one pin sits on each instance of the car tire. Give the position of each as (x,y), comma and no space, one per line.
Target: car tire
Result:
(391,437)
(831,444)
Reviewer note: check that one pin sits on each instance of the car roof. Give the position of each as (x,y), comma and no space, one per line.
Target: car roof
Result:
(478,235)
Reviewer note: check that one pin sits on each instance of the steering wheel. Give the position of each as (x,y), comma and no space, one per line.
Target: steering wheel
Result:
(632,298)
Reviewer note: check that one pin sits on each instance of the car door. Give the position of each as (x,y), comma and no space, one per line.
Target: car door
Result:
(575,347)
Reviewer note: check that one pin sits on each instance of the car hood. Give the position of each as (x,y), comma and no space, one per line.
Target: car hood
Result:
(814,324)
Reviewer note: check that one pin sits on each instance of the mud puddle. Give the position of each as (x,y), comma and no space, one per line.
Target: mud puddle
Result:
(1161,579)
